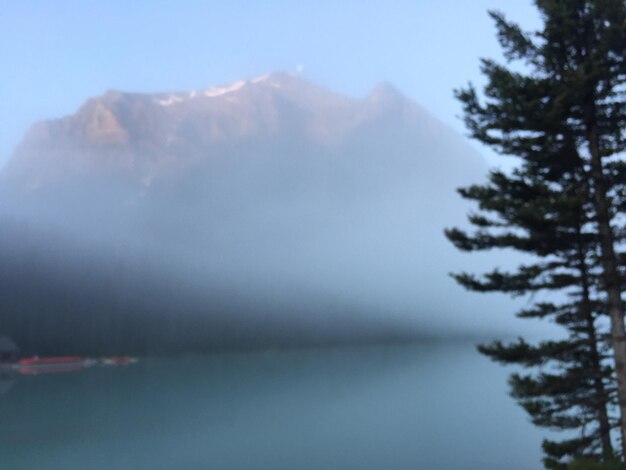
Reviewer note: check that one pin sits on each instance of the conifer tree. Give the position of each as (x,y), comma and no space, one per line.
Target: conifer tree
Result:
(572,388)
(564,117)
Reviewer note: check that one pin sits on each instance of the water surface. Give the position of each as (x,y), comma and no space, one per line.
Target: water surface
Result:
(434,406)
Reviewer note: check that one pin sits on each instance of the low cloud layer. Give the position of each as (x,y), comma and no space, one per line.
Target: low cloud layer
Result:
(275,212)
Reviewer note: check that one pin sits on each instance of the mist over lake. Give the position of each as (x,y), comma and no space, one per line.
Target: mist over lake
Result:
(266,211)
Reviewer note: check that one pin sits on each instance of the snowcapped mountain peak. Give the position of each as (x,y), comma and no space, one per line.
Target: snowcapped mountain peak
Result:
(222,90)
(148,136)
(274,80)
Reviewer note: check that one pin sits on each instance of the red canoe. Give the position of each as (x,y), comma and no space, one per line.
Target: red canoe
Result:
(42,365)
(38,361)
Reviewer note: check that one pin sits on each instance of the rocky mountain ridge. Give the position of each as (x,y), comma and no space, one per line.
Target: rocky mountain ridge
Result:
(147,136)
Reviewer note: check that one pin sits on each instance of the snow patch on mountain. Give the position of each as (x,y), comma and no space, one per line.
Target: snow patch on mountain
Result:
(170,100)
(216,91)
(219,91)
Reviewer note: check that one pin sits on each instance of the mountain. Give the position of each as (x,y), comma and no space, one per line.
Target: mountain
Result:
(147,137)
(288,203)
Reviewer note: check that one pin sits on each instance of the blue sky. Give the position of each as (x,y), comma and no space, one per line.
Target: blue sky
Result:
(55,54)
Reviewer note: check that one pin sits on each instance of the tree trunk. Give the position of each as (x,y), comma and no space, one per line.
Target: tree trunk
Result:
(610,274)
(596,363)
(601,395)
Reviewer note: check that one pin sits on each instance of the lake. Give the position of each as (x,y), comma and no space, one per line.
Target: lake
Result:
(423,406)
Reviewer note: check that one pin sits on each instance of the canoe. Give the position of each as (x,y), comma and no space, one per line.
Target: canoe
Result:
(42,365)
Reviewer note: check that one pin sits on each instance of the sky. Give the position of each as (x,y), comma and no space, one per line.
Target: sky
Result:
(56,54)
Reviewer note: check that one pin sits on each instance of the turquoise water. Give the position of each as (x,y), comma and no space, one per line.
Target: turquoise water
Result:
(436,406)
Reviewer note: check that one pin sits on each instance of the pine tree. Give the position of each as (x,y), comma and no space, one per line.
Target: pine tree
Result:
(572,388)
(564,119)
(584,49)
